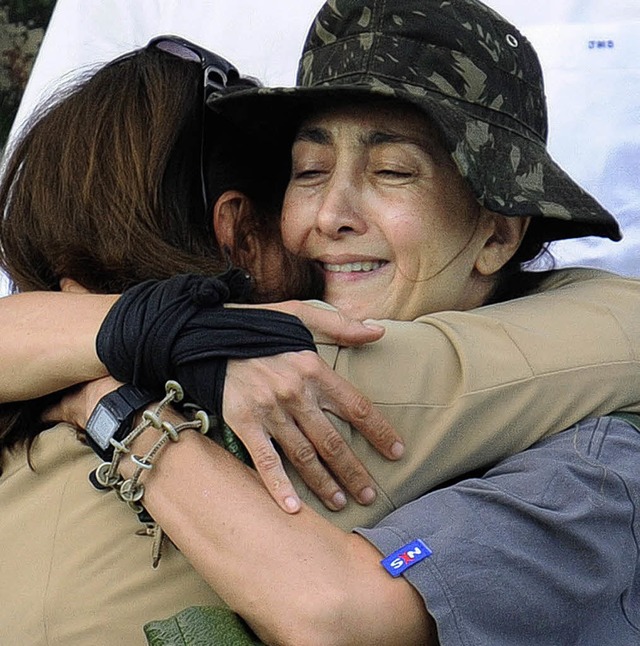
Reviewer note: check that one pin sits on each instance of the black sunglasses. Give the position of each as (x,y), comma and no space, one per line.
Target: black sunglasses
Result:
(218,74)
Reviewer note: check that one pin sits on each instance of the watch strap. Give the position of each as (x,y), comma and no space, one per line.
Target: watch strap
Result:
(113,417)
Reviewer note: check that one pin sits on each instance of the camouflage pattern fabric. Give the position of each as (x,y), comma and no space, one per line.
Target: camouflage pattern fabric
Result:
(470,71)
(22,27)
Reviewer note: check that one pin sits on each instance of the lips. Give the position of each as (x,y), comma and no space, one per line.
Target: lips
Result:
(354,267)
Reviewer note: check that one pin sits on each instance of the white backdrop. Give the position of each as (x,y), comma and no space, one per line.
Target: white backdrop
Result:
(590,51)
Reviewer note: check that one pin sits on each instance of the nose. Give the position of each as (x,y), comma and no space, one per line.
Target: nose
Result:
(340,212)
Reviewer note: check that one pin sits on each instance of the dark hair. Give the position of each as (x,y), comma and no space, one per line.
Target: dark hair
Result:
(104,186)
(516,279)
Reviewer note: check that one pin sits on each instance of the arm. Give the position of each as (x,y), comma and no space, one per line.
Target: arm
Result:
(60,352)
(49,346)
(46,343)
(466,389)
(261,560)
(494,375)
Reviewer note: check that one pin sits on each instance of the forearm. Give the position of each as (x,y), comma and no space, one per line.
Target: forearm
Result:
(48,342)
(296,579)
(466,389)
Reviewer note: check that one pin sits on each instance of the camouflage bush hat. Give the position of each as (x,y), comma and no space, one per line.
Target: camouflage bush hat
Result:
(465,67)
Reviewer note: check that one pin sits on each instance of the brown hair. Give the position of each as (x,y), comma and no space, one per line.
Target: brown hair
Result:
(104,186)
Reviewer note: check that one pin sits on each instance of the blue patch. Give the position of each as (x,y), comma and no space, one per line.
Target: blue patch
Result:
(395,564)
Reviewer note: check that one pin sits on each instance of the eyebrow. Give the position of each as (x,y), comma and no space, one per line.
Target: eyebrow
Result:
(381,137)
(313,135)
(321,136)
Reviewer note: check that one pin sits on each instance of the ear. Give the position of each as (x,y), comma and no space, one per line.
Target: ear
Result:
(72,286)
(505,234)
(231,224)
(226,214)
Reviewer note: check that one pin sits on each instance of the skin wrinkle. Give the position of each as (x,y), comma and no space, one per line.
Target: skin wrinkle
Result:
(374,184)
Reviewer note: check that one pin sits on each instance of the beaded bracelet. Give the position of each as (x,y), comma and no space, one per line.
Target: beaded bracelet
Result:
(131,490)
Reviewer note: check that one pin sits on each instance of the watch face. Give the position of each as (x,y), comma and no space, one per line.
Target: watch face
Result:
(103,425)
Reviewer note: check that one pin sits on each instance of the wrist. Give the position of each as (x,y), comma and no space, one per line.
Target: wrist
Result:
(144,442)
(159,427)
(113,417)
(134,456)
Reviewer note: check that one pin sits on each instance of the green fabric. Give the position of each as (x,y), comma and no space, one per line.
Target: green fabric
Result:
(231,442)
(631,418)
(201,626)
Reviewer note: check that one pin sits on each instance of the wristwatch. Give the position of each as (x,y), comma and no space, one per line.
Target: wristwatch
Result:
(113,416)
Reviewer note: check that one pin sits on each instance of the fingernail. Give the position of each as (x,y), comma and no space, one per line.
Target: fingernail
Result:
(367,496)
(397,450)
(339,500)
(291,504)
(372,325)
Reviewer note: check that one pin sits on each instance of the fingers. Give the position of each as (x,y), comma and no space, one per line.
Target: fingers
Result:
(318,452)
(303,456)
(340,462)
(359,411)
(285,398)
(330,326)
(247,407)
(348,403)
(334,327)
(257,433)
(315,448)
(269,466)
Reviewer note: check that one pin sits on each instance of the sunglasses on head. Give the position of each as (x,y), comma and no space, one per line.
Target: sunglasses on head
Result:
(218,74)
(217,71)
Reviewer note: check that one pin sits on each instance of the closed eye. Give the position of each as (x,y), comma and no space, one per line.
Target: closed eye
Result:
(307,173)
(393,173)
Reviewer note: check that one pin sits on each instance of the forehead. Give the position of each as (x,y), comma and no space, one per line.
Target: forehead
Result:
(378,122)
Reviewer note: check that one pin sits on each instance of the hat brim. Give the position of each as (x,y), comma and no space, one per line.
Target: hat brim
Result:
(509,172)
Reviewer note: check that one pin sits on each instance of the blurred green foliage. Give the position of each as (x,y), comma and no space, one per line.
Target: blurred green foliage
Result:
(31,13)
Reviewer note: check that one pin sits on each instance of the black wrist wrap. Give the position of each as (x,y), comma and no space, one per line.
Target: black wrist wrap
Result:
(178,329)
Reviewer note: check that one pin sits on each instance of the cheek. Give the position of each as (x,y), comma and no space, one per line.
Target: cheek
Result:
(292,225)
(421,244)
(289,233)
(408,234)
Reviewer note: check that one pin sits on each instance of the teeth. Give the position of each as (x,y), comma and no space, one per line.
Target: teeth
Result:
(368,265)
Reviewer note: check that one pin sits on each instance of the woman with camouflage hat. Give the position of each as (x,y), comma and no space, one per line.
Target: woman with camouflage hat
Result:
(326,556)
(419,171)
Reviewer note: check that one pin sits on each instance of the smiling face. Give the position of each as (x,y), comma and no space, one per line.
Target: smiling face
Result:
(376,200)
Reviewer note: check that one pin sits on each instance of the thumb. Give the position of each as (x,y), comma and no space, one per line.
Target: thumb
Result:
(332,326)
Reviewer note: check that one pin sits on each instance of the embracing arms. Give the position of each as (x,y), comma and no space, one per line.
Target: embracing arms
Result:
(296,579)
(463,388)
(466,389)
(50,347)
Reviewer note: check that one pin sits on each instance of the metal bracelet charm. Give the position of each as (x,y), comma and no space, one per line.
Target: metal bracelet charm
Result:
(131,491)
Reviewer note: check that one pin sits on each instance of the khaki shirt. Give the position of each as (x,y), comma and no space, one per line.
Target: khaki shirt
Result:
(467,389)
(73,572)
(464,388)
